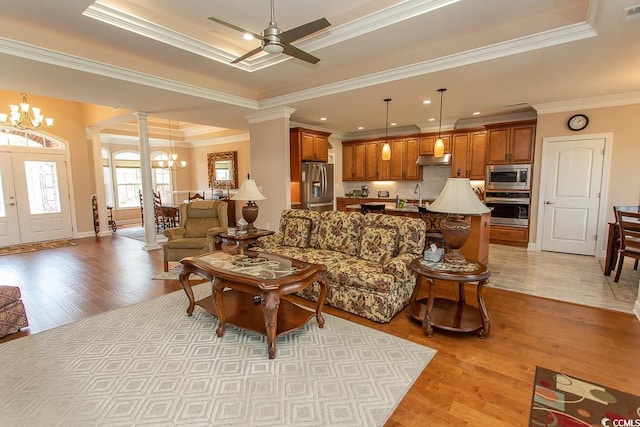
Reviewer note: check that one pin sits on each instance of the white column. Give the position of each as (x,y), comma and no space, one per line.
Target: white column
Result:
(96,147)
(270,167)
(147,184)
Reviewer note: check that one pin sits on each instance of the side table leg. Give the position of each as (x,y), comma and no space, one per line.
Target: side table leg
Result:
(217,289)
(486,325)
(426,321)
(184,281)
(270,305)
(324,288)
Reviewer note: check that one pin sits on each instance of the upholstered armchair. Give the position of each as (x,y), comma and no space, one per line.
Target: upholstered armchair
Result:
(200,224)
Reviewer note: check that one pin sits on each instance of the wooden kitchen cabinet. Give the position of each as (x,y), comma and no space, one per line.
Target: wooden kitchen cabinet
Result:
(309,145)
(428,140)
(512,236)
(372,159)
(469,152)
(510,143)
(412,151)
(402,166)
(353,161)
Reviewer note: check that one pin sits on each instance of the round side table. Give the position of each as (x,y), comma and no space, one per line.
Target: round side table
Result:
(445,313)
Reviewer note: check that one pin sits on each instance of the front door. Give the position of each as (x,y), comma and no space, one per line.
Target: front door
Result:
(570,194)
(37,204)
(9,225)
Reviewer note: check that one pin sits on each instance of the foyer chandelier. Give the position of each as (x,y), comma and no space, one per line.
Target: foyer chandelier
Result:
(172,164)
(24,116)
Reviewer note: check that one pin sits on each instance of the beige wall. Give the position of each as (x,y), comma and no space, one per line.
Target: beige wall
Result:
(624,179)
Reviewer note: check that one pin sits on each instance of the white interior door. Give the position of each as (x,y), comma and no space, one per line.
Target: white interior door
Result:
(572,175)
(9,225)
(42,196)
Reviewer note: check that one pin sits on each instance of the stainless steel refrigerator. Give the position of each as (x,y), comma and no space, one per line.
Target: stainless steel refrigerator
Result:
(317,186)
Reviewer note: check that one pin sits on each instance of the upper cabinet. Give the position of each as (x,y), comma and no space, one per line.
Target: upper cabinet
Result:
(362,160)
(310,145)
(510,143)
(469,151)
(428,140)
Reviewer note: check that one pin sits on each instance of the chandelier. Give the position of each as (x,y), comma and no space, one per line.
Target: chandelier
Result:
(173,163)
(24,116)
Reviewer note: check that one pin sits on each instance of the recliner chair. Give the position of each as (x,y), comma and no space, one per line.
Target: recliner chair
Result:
(200,224)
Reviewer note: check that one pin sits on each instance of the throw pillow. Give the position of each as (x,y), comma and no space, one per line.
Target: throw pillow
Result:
(379,243)
(297,232)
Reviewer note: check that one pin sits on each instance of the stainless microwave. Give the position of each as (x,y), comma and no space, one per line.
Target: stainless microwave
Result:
(508,177)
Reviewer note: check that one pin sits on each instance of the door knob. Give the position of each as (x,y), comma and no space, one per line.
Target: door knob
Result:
(12,204)
(548,203)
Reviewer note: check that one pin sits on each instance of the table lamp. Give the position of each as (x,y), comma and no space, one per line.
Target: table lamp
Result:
(457,199)
(249,192)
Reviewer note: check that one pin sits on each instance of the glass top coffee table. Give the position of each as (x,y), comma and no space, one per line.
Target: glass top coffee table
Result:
(247,291)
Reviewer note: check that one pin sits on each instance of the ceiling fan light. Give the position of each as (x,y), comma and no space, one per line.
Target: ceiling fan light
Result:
(274,48)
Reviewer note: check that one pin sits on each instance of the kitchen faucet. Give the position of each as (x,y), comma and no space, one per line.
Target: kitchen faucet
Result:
(418,191)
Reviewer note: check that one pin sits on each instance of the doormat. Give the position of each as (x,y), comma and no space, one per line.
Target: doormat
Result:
(563,400)
(38,246)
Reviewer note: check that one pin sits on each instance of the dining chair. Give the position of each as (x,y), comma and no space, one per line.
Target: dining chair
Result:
(141,207)
(161,220)
(629,223)
(366,208)
(196,196)
(432,220)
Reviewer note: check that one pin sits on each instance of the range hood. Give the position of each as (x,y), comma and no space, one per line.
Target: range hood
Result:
(434,161)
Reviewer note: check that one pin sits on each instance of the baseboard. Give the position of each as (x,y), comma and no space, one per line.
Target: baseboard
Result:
(636,308)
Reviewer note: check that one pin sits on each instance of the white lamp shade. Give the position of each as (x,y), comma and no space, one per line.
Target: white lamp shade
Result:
(248,191)
(458,197)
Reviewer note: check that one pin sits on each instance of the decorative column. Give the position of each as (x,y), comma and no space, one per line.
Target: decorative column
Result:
(147,184)
(269,142)
(103,218)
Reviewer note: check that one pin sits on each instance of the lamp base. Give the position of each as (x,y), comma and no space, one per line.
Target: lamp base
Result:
(250,213)
(455,231)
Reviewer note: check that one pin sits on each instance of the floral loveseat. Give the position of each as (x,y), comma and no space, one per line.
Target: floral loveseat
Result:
(367,257)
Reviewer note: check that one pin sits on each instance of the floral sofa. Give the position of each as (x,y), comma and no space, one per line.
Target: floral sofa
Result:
(367,257)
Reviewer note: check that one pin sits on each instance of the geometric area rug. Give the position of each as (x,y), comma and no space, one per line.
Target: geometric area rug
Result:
(563,400)
(149,364)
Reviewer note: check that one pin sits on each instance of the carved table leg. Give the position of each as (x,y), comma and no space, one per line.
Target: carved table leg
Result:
(184,281)
(486,326)
(217,289)
(324,288)
(426,322)
(270,305)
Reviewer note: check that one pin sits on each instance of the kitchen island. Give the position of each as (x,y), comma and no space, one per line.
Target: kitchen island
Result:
(476,247)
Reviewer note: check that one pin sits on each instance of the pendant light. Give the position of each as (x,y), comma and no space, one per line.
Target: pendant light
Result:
(386,148)
(438,147)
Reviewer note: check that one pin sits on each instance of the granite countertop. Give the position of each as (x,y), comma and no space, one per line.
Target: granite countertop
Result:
(410,207)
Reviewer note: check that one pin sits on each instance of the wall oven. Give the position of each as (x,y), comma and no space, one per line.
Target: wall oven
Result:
(509,177)
(509,208)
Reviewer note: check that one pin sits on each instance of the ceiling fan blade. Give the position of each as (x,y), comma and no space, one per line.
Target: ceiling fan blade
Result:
(246,55)
(303,30)
(300,54)
(226,24)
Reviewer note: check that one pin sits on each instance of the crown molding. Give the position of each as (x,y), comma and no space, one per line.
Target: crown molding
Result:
(274,113)
(48,56)
(242,137)
(532,42)
(589,103)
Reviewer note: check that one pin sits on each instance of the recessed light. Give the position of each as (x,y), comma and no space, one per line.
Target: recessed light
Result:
(426,101)
(476,113)
(360,127)
(324,119)
(393,124)
(432,119)
(247,36)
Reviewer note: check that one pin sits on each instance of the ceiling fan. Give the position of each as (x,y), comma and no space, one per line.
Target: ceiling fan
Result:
(275,40)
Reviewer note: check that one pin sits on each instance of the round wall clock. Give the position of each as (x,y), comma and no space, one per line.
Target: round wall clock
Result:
(578,122)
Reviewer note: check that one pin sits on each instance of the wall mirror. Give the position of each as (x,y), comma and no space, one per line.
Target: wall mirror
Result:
(223,169)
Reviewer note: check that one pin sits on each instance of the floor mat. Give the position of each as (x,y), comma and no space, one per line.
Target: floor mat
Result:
(32,247)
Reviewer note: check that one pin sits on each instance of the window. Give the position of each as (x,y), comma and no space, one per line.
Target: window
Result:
(42,183)
(161,178)
(25,138)
(128,179)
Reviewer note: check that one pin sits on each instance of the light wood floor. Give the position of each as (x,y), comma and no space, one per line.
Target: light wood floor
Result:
(469,382)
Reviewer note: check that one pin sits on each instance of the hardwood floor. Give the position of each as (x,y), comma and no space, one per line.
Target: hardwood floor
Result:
(470,381)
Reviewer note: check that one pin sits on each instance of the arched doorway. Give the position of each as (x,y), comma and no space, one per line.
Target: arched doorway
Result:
(34,188)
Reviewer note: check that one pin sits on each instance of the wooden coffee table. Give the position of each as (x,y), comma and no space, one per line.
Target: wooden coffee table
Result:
(257,281)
